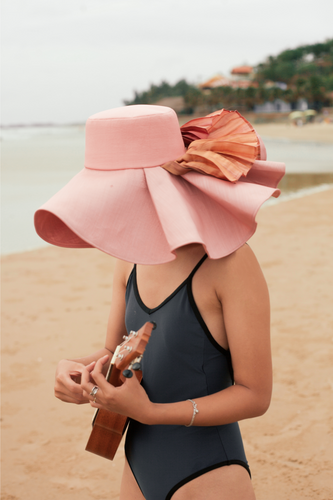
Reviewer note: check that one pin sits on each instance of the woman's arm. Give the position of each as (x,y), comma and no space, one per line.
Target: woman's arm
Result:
(242,291)
(69,371)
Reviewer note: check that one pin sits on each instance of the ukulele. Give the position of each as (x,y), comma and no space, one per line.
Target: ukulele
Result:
(108,427)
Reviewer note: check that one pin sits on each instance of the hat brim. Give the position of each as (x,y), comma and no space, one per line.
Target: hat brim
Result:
(144,215)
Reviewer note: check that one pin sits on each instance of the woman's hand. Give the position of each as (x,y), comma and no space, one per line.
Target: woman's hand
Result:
(67,381)
(129,399)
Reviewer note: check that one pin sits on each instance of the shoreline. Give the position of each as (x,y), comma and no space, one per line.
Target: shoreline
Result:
(318,132)
(284,196)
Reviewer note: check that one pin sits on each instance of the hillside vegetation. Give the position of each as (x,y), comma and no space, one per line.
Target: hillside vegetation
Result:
(306,72)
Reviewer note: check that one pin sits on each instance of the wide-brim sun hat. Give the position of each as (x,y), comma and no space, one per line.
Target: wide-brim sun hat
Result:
(149,187)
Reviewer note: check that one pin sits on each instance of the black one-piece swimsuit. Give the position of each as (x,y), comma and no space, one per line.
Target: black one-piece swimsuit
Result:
(181,361)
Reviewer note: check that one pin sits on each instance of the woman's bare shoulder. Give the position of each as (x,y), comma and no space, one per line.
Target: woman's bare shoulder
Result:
(243,256)
(122,271)
(240,269)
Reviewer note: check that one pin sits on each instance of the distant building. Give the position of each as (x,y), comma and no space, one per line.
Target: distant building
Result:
(241,77)
(243,84)
(216,81)
(302,105)
(242,73)
(276,106)
(280,106)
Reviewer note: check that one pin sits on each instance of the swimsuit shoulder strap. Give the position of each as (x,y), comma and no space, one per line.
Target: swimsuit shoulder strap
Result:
(201,261)
(189,278)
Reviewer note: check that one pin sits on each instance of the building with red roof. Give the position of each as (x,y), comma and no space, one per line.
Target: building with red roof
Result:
(242,72)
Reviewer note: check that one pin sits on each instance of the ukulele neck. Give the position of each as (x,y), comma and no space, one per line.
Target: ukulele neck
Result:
(112,369)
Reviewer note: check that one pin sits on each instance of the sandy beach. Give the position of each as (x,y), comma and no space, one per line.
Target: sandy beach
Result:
(55,305)
(311,132)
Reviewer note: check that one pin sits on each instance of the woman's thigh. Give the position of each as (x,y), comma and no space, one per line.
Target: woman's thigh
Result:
(231,482)
(129,489)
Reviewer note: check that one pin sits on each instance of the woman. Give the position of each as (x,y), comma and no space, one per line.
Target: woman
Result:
(144,199)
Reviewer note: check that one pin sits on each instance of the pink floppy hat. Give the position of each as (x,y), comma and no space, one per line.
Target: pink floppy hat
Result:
(142,194)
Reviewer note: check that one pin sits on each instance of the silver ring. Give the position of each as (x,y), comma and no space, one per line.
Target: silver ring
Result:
(93,391)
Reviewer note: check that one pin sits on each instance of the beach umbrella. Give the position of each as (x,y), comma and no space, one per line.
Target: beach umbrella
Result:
(309,115)
(295,115)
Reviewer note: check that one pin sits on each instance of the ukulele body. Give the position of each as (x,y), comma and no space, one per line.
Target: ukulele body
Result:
(109,427)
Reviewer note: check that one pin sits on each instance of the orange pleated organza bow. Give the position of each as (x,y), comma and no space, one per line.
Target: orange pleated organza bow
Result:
(222,144)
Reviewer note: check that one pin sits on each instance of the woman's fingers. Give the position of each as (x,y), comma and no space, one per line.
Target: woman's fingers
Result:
(91,366)
(100,363)
(85,378)
(68,379)
(65,383)
(96,405)
(93,378)
(97,372)
(79,399)
(97,375)
(128,399)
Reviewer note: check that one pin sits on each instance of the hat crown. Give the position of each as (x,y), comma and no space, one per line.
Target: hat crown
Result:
(139,136)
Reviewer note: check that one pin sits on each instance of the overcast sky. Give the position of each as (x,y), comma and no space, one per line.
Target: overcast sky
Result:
(64,60)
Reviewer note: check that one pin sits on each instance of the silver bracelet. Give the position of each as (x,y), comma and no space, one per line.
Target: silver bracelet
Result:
(195,411)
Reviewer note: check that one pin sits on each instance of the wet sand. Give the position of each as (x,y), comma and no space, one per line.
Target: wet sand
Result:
(55,305)
(311,132)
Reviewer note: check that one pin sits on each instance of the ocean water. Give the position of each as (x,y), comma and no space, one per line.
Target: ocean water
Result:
(301,157)
(37,161)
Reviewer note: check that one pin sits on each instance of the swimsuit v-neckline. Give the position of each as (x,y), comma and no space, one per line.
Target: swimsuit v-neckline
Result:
(167,299)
